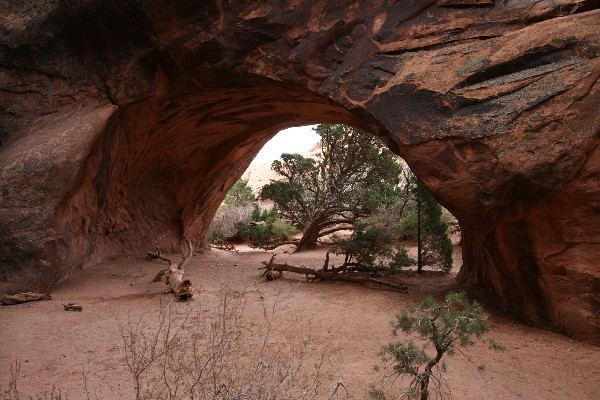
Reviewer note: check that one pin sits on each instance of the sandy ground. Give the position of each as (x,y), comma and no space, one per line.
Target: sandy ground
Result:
(55,347)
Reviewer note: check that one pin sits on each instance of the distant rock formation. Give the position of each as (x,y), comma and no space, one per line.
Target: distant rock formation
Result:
(259,175)
(123,124)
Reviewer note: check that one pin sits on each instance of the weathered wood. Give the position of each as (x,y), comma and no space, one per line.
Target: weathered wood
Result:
(273,246)
(157,256)
(224,246)
(72,307)
(334,274)
(174,277)
(159,275)
(23,298)
(180,287)
(187,259)
(272,275)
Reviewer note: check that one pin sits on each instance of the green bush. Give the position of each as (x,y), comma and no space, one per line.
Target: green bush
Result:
(366,244)
(409,226)
(265,227)
(401,259)
(257,234)
(283,230)
(369,244)
(239,195)
(235,210)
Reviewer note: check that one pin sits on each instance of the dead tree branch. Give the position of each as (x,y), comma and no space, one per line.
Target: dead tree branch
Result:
(336,387)
(173,276)
(157,256)
(273,246)
(72,307)
(23,298)
(224,246)
(333,274)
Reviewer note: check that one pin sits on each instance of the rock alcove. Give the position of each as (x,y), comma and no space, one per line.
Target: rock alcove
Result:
(125,124)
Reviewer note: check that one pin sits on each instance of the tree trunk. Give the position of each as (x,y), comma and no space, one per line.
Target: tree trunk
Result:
(310,236)
(428,372)
(424,388)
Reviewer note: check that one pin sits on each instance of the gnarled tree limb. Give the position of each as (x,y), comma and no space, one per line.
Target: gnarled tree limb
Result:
(154,256)
(173,276)
(224,246)
(333,274)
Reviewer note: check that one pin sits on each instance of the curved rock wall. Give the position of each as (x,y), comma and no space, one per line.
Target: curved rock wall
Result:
(123,125)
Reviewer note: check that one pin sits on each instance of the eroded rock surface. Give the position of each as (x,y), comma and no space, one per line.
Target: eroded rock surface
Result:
(123,124)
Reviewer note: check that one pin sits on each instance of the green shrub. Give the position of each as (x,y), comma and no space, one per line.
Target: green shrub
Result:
(240,195)
(366,244)
(265,227)
(448,327)
(369,244)
(401,259)
(283,230)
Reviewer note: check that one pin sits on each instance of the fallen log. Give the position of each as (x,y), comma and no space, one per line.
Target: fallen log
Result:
(272,275)
(72,307)
(273,246)
(24,298)
(333,274)
(224,246)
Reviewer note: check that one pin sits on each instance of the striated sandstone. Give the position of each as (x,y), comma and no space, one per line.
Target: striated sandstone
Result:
(122,125)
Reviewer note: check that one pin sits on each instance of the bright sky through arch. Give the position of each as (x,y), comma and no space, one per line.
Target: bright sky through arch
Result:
(299,139)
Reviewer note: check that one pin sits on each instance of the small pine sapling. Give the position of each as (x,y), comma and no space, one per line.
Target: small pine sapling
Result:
(448,326)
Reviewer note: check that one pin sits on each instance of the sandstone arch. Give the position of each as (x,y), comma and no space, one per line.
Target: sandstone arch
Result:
(126,123)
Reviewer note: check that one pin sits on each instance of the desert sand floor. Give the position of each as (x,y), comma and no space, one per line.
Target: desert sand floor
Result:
(348,321)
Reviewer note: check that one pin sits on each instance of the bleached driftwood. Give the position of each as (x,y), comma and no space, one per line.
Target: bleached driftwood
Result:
(23,298)
(173,276)
(272,275)
(224,246)
(72,307)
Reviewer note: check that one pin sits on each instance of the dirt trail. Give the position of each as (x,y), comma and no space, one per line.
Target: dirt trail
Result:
(54,347)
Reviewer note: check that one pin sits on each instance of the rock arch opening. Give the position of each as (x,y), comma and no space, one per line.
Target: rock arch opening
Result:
(168,163)
(121,125)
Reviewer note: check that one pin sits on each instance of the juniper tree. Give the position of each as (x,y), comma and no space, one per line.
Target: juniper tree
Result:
(433,244)
(448,326)
(352,173)
(239,195)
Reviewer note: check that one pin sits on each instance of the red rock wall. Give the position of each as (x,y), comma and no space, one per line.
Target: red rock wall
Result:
(123,125)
